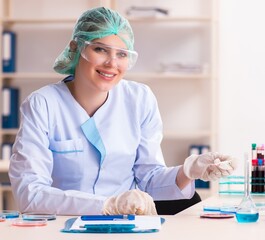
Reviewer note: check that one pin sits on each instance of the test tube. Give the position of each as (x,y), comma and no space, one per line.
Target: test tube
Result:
(254,151)
(262,156)
(259,154)
(262,151)
(260,175)
(254,176)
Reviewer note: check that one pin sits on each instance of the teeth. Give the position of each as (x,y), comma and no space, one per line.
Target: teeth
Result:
(106,75)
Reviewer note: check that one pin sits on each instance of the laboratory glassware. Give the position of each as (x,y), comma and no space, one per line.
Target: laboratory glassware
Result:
(247,211)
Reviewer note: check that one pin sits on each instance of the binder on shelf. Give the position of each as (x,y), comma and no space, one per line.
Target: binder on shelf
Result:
(9,51)
(10,108)
(200,149)
(6,151)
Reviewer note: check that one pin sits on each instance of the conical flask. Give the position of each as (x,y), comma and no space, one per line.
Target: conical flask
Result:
(247,211)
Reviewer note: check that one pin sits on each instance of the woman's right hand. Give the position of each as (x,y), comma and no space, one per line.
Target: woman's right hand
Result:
(130,202)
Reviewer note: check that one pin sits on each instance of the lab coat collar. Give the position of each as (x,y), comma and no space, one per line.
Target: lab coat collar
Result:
(92,135)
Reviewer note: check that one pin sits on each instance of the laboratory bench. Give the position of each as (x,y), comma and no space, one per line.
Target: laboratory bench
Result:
(185,225)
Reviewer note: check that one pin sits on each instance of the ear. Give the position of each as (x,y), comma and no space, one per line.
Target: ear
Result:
(73,46)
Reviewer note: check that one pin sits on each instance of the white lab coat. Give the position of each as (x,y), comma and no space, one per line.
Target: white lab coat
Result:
(65,162)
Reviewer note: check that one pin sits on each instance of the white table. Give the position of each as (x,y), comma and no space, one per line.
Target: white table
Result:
(185,225)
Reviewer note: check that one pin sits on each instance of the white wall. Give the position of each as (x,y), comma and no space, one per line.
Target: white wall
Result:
(242,75)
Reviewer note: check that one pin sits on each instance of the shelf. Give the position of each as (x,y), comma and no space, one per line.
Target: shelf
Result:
(173,134)
(5,188)
(129,75)
(170,19)
(4,166)
(165,75)
(32,75)
(10,20)
(38,20)
(9,131)
(186,135)
(170,134)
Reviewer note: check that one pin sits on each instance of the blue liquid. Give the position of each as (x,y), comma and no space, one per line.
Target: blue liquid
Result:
(247,217)
(9,214)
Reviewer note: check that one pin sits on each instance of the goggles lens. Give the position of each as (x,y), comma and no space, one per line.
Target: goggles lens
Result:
(100,53)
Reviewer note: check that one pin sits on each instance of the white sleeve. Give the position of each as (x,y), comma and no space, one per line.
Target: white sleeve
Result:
(151,173)
(31,167)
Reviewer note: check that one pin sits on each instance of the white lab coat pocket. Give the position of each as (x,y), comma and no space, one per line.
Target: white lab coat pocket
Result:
(66,146)
(68,162)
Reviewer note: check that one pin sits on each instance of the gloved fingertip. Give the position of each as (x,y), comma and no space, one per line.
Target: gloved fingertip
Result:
(225,173)
(234,162)
(230,171)
(213,178)
(217,174)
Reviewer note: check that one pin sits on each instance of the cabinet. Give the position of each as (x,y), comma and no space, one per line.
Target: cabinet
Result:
(186,38)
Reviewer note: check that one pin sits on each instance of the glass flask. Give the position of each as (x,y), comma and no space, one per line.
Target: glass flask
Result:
(247,211)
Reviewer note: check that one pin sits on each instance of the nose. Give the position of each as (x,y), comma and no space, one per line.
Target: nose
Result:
(111,62)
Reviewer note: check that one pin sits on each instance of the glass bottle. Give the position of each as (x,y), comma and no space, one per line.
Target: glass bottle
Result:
(247,211)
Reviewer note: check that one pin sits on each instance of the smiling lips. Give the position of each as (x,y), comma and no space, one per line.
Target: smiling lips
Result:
(108,75)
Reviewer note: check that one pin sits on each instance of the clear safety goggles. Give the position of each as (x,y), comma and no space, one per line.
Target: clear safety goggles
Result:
(100,53)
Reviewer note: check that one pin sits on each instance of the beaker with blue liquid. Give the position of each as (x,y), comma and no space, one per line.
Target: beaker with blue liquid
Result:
(247,211)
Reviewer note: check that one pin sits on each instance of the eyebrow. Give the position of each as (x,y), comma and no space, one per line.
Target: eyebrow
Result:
(103,44)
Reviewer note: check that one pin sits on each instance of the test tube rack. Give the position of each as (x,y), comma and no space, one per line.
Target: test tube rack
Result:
(235,185)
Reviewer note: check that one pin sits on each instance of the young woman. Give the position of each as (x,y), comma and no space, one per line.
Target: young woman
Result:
(90,144)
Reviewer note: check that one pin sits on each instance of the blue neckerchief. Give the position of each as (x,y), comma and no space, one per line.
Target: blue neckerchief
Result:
(92,135)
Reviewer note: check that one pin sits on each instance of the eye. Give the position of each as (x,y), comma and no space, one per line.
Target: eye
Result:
(100,49)
(122,54)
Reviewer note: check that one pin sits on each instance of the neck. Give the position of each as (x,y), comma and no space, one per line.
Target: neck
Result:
(88,99)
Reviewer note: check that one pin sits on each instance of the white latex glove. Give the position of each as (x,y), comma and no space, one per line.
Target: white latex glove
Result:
(209,166)
(130,202)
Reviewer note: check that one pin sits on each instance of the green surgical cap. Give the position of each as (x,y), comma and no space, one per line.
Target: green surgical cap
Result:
(94,24)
